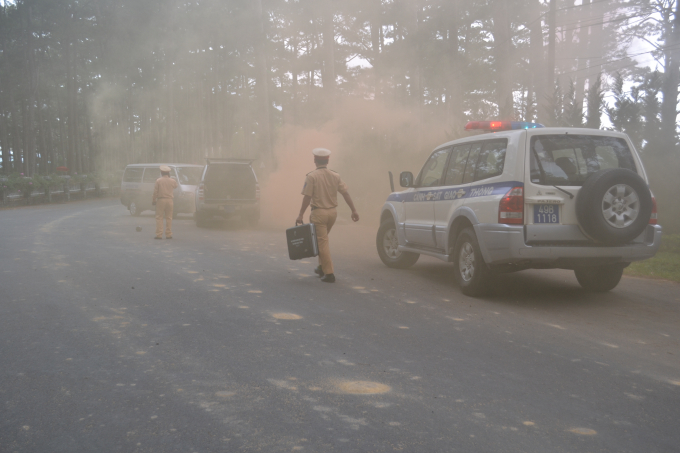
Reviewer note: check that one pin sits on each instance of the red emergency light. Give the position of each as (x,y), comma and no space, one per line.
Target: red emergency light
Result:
(495,126)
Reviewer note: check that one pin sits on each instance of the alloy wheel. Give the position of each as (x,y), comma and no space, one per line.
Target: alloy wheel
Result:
(620,206)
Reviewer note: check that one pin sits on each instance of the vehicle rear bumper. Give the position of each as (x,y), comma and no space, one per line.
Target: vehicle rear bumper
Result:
(227,209)
(506,244)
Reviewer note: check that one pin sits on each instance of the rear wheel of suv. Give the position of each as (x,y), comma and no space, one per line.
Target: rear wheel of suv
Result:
(599,279)
(614,206)
(134,208)
(388,243)
(471,272)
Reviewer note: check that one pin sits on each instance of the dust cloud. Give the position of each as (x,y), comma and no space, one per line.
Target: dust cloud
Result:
(367,139)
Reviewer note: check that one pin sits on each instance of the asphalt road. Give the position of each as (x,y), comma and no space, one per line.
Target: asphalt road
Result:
(215,342)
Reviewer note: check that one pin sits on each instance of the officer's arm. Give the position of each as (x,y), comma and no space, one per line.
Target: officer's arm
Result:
(350,203)
(155,193)
(305,204)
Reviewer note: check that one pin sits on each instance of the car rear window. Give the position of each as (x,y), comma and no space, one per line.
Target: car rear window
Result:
(229,181)
(190,175)
(569,159)
(133,174)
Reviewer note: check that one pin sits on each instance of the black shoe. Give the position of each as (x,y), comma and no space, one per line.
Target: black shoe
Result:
(318,271)
(328,278)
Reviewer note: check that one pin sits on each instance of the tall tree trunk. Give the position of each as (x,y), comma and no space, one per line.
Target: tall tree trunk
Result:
(550,63)
(503,49)
(295,87)
(71,158)
(669,104)
(537,63)
(583,37)
(4,144)
(31,85)
(92,152)
(329,75)
(376,29)
(454,93)
(131,126)
(50,155)
(262,82)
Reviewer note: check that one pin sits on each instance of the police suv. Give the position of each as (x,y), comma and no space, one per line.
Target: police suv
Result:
(522,197)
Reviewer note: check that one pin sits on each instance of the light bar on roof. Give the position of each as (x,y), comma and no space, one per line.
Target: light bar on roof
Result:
(500,125)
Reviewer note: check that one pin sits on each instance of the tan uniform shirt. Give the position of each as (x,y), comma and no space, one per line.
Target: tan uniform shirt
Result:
(323,186)
(164,187)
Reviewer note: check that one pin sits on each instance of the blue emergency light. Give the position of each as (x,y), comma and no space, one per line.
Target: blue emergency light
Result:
(500,125)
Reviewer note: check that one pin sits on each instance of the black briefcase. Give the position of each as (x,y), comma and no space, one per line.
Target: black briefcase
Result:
(302,242)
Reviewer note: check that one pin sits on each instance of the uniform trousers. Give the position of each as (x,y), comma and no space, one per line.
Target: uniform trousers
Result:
(164,210)
(323,220)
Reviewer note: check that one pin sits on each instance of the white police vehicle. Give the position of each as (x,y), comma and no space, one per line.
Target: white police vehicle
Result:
(524,197)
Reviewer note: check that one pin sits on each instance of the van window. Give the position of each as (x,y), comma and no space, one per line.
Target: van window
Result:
(133,174)
(433,171)
(456,168)
(570,159)
(491,159)
(151,174)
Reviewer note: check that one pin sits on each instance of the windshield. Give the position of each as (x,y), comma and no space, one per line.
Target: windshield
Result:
(189,176)
(569,159)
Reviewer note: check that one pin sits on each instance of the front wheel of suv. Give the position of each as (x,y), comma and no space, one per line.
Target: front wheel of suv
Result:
(599,279)
(471,272)
(388,243)
(134,209)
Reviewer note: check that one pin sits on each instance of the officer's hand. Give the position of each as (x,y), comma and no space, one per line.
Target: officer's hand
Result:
(153,203)
(299,221)
(355,216)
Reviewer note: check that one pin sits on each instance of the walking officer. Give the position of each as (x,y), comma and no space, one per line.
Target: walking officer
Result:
(321,191)
(162,199)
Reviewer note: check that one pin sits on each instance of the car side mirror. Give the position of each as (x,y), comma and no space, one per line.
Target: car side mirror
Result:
(406,179)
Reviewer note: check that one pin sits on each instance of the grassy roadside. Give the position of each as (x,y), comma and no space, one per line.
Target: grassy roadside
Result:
(665,264)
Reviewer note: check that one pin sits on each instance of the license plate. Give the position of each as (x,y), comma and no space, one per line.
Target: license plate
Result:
(546,213)
(227,208)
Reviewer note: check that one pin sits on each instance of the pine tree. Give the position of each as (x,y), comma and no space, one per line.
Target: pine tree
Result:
(595,100)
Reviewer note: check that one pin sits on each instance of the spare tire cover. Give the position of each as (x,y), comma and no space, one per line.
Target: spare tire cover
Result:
(614,206)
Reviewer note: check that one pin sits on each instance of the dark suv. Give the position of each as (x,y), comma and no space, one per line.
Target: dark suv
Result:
(228,188)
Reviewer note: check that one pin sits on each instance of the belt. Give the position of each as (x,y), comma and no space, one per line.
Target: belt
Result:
(316,207)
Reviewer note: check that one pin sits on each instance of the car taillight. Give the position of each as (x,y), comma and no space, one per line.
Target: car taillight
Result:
(257,192)
(653,218)
(201,192)
(511,207)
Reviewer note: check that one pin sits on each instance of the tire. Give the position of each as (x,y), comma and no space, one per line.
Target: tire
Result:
(470,270)
(614,206)
(386,242)
(134,209)
(599,279)
(200,219)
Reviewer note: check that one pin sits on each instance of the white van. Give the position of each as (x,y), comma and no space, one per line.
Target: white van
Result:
(136,190)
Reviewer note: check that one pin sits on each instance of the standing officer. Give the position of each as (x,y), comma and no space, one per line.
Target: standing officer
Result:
(321,191)
(162,199)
